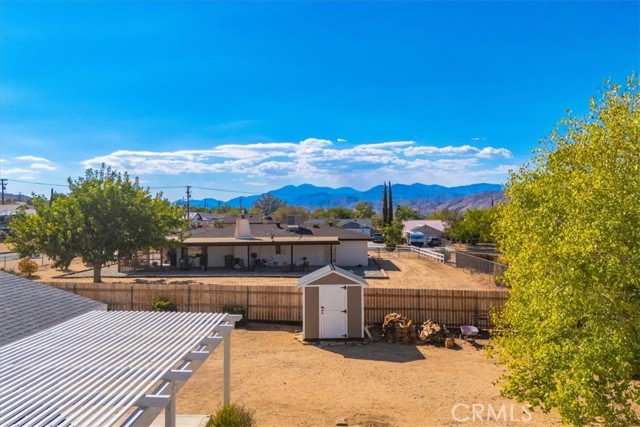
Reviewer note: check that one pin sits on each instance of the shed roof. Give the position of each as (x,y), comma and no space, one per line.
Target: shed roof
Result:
(330,274)
(104,368)
(28,307)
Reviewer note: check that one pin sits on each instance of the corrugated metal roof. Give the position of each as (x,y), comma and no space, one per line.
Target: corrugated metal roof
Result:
(328,270)
(104,368)
(28,307)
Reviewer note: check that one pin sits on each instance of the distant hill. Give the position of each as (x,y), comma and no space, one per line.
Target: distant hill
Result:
(425,198)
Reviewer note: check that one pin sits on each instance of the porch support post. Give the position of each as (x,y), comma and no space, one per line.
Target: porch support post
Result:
(170,409)
(226,400)
(291,263)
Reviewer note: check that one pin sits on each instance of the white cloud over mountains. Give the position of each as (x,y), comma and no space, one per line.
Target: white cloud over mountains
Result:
(318,161)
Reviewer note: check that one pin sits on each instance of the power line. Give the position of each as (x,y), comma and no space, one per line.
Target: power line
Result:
(34,183)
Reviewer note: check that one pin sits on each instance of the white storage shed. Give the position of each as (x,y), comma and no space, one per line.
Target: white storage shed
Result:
(332,304)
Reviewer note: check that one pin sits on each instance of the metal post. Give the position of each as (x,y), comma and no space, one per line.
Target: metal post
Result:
(170,410)
(227,369)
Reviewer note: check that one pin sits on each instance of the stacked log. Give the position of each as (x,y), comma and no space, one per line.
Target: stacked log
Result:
(398,329)
(433,332)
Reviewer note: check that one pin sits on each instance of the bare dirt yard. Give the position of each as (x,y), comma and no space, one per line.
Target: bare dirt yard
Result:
(288,383)
(404,270)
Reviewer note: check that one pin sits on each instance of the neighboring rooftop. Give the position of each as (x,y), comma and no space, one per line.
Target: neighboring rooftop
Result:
(417,223)
(262,231)
(28,307)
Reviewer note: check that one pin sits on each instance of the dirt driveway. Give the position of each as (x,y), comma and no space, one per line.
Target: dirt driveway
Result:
(288,383)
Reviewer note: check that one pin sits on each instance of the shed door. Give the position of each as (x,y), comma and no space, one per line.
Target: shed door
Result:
(333,311)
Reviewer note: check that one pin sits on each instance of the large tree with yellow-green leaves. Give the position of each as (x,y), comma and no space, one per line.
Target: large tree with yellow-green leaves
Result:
(105,215)
(570,229)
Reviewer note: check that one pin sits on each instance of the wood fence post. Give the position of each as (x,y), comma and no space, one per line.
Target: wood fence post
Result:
(131,298)
(247,304)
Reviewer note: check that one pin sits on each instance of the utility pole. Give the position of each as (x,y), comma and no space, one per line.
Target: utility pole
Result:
(188,200)
(3,185)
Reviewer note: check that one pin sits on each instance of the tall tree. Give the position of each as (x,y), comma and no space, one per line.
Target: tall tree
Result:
(385,207)
(105,216)
(268,203)
(570,230)
(390,208)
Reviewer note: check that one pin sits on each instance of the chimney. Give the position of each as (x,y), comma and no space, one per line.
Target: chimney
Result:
(243,230)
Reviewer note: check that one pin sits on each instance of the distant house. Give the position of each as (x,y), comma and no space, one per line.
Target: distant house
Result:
(245,244)
(9,211)
(360,225)
(428,227)
(203,219)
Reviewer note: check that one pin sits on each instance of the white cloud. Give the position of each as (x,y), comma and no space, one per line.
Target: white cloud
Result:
(489,152)
(318,161)
(464,150)
(341,140)
(43,166)
(36,165)
(33,159)
(478,138)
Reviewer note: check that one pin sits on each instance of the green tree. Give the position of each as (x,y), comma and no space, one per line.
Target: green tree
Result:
(385,207)
(107,215)
(475,225)
(49,231)
(393,234)
(268,203)
(340,212)
(363,210)
(570,230)
(283,212)
(390,207)
(406,213)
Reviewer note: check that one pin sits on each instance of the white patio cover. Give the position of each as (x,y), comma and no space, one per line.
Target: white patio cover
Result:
(107,368)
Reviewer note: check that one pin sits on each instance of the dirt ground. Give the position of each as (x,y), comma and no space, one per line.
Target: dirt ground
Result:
(404,270)
(288,383)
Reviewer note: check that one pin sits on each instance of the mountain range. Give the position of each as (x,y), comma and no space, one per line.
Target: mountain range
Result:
(425,198)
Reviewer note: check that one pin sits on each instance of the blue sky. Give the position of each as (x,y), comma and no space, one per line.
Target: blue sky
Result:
(251,96)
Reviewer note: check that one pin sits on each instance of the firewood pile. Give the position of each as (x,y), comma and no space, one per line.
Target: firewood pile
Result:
(398,329)
(433,332)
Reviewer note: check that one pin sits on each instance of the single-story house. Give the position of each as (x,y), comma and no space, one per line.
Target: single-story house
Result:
(246,244)
(361,225)
(428,227)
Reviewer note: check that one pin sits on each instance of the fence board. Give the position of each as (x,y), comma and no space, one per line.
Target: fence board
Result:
(284,303)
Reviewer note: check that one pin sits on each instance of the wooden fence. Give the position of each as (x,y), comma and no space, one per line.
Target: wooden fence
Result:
(284,303)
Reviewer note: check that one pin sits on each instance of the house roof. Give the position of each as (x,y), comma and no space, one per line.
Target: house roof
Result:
(263,233)
(336,275)
(29,307)
(362,222)
(417,223)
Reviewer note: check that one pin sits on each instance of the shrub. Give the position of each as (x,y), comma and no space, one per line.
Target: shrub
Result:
(27,267)
(232,415)
(162,303)
(236,309)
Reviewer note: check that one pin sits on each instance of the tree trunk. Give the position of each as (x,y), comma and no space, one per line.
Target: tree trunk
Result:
(97,273)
